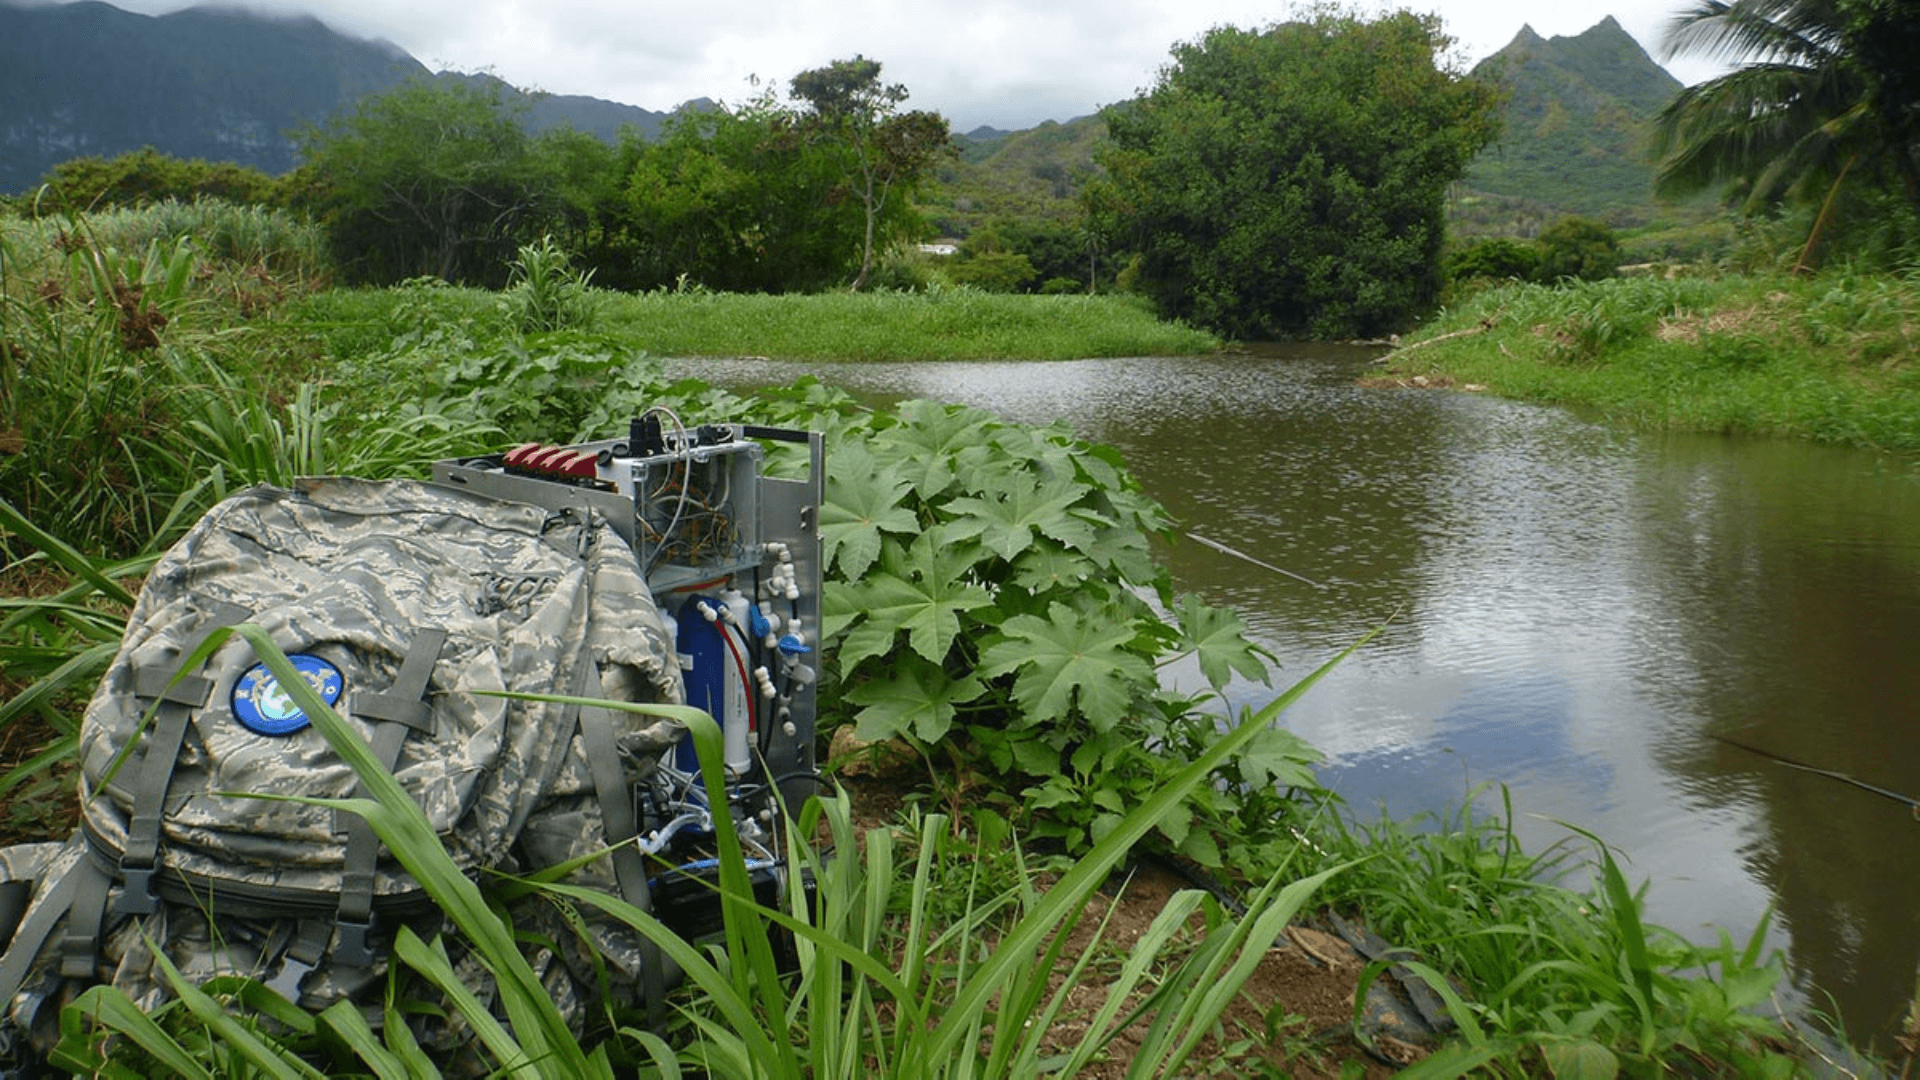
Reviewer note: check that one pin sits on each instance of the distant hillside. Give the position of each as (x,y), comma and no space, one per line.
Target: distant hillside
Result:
(596,116)
(90,79)
(1036,173)
(1576,123)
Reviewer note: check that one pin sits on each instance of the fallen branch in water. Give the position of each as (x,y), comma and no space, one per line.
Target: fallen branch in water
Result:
(1480,327)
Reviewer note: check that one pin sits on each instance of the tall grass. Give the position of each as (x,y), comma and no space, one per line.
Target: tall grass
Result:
(55,647)
(941,324)
(1835,357)
(136,390)
(1545,963)
(85,388)
(224,233)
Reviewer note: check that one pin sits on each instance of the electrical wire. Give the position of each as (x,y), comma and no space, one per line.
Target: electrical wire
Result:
(686,481)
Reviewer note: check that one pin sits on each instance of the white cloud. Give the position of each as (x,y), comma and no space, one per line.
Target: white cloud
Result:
(1008,64)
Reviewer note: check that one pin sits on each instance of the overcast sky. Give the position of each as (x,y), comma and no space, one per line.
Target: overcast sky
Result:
(1007,63)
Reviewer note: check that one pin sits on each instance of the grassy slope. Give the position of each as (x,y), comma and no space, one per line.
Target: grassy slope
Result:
(1831,358)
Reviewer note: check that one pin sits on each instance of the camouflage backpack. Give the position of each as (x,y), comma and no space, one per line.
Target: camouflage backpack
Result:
(403,604)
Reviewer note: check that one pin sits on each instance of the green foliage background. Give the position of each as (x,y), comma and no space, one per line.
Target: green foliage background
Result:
(1291,183)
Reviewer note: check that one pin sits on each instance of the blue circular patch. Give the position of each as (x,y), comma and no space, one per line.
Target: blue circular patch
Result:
(261,706)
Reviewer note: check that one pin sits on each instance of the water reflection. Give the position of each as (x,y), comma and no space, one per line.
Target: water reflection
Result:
(1803,584)
(1572,610)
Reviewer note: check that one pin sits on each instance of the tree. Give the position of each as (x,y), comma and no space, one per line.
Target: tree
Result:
(1828,89)
(148,176)
(1046,252)
(1291,182)
(1495,258)
(737,200)
(850,106)
(1575,247)
(431,178)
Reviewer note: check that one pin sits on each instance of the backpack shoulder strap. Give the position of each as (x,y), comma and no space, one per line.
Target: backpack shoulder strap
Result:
(621,825)
(400,711)
(176,701)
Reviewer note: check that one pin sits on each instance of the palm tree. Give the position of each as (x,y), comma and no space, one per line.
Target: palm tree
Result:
(1826,90)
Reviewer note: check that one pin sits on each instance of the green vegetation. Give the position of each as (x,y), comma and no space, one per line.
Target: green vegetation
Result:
(1291,182)
(1559,982)
(939,324)
(962,619)
(147,176)
(1579,249)
(1831,357)
(1826,88)
(1825,105)
(1033,176)
(735,201)
(1572,248)
(851,108)
(435,178)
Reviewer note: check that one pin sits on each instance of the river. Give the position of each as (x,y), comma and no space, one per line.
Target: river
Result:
(1581,612)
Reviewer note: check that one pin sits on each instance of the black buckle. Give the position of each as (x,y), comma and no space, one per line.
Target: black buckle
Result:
(138,896)
(352,943)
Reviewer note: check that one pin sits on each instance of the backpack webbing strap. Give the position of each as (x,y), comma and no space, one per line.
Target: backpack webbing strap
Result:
(14,898)
(177,700)
(32,934)
(621,825)
(401,710)
(615,796)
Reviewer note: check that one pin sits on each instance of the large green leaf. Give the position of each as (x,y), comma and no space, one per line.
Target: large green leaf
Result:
(1069,659)
(931,439)
(863,499)
(1218,637)
(922,591)
(1048,453)
(1278,756)
(917,699)
(1016,506)
(1045,567)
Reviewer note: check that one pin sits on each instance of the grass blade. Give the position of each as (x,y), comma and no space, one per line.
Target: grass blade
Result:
(111,1007)
(243,1040)
(345,1021)
(1070,893)
(62,554)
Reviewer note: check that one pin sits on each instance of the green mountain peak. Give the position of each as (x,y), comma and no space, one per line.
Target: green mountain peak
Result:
(1576,115)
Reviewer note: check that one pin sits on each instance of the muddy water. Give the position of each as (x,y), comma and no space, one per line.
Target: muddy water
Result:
(1579,612)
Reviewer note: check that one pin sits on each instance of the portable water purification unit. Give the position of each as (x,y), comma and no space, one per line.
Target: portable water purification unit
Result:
(723,520)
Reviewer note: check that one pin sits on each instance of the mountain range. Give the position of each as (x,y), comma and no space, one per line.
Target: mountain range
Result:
(87,78)
(222,84)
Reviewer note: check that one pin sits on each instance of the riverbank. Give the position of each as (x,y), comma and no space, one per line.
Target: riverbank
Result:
(1832,358)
